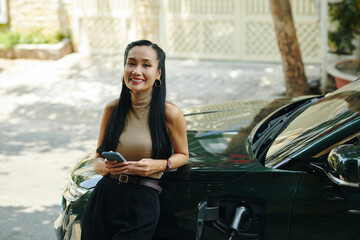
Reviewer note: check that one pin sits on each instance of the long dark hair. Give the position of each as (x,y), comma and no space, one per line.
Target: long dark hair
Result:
(161,145)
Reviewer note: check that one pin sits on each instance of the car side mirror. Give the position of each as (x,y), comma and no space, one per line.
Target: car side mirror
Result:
(344,160)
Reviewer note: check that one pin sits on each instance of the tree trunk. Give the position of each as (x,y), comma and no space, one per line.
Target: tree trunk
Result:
(295,79)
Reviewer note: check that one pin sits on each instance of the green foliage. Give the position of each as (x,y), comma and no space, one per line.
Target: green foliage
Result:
(4,27)
(345,16)
(9,39)
(33,36)
(56,37)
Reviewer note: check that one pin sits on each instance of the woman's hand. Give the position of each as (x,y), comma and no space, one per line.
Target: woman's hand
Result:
(145,167)
(116,168)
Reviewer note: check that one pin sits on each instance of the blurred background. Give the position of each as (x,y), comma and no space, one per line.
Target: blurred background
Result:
(61,61)
(206,29)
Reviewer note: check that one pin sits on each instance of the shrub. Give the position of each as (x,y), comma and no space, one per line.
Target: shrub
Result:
(345,17)
(33,36)
(9,39)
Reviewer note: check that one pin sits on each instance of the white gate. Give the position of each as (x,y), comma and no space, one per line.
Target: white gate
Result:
(102,25)
(235,29)
(205,29)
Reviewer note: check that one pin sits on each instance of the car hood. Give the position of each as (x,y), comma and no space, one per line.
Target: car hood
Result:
(218,139)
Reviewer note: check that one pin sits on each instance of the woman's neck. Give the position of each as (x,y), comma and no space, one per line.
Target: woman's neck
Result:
(140,103)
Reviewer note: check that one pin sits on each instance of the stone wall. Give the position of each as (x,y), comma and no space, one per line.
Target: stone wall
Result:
(48,15)
(38,51)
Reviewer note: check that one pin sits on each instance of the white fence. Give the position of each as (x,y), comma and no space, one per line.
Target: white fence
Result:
(102,25)
(206,29)
(236,29)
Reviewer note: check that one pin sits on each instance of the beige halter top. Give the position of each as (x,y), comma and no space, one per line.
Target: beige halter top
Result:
(135,140)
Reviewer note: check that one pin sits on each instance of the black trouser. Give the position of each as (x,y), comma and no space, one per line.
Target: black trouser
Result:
(120,211)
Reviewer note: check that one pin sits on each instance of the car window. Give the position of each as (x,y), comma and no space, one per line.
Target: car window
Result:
(321,119)
(308,120)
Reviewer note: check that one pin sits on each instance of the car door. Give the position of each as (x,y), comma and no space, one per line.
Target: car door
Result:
(191,193)
(323,210)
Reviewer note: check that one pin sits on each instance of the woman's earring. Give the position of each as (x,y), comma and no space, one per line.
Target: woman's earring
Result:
(158,83)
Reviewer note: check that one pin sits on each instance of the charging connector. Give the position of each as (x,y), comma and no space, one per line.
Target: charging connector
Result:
(242,214)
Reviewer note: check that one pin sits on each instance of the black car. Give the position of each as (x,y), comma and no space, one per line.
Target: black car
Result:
(267,169)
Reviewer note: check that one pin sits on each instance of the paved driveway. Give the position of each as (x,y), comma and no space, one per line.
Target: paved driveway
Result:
(50,112)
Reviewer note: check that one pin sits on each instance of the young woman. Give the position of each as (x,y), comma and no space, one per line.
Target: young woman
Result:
(151,134)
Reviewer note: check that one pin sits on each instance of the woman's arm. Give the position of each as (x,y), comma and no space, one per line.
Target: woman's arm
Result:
(176,125)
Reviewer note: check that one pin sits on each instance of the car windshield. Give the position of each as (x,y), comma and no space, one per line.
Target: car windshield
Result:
(331,113)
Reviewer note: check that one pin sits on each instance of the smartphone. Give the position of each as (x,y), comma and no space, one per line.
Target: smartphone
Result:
(113,156)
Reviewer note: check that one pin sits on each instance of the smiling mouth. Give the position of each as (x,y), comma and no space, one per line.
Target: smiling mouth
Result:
(137,80)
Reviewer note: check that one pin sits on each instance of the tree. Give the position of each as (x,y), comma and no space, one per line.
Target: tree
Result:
(295,79)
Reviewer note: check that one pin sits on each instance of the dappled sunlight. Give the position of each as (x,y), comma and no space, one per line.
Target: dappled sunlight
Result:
(48,104)
(35,179)
(312,70)
(236,73)
(190,62)
(191,101)
(214,75)
(269,70)
(28,99)
(45,83)
(192,82)
(22,222)
(265,81)
(311,67)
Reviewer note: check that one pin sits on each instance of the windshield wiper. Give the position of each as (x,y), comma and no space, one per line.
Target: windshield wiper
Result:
(275,127)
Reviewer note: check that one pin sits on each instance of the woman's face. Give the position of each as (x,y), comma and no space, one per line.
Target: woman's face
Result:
(141,69)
